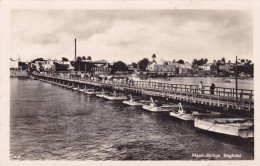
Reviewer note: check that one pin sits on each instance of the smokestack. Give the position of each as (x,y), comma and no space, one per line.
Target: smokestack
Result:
(75,49)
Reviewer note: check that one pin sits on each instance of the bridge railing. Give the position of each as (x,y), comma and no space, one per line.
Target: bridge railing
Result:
(220,93)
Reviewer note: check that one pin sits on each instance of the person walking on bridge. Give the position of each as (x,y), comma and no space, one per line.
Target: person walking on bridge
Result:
(201,88)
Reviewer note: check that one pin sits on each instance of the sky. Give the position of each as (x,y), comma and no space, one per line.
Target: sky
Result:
(131,35)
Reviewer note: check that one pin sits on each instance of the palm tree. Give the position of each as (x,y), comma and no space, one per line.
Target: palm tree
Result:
(223,60)
(205,61)
(180,61)
(64,59)
(89,58)
(153,56)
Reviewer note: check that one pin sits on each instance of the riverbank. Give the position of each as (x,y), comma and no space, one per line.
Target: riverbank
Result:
(18,73)
(154,75)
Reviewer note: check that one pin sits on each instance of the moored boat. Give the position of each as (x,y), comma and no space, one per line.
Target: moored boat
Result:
(191,115)
(155,107)
(240,127)
(75,89)
(31,77)
(81,90)
(92,92)
(69,87)
(62,85)
(115,96)
(102,94)
(132,102)
(182,114)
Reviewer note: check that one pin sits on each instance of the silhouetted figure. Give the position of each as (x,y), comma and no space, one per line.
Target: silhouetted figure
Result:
(212,88)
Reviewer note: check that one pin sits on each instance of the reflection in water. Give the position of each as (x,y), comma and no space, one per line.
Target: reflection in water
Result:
(48,122)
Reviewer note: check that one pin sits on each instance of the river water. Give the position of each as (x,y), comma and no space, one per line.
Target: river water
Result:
(207,81)
(51,123)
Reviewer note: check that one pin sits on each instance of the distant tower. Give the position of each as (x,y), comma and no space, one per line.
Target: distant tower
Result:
(75,49)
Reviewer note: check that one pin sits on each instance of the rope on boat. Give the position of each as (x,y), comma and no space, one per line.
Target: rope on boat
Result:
(205,130)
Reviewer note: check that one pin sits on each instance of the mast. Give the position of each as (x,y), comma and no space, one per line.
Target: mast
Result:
(114,93)
(151,100)
(131,97)
(236,81)
(75,49)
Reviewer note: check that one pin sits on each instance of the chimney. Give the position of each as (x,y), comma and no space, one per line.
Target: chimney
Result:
(75,49)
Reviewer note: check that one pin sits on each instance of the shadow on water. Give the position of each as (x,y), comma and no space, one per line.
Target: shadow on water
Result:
(241,143)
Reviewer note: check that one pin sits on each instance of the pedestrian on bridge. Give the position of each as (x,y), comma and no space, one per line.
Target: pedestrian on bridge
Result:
(212,88)
(201,88)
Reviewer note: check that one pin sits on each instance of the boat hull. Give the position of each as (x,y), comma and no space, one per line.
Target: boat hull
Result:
(63,86)
(92,93)
(100,95)
(132,103)
(182,116)
(115,97)
(31,77)
(81,90)
(232,129)
(155,109)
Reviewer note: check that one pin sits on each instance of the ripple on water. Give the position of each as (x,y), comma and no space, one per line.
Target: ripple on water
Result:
(51,123)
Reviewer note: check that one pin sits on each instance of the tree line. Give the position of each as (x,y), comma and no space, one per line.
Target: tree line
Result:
(79,65)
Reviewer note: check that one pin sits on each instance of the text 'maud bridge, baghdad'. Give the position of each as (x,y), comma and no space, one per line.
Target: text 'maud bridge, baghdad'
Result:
(243,99)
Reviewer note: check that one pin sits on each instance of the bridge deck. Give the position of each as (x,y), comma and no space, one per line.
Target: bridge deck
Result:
(223,97)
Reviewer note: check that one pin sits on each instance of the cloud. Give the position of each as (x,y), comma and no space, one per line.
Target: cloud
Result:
(130,35)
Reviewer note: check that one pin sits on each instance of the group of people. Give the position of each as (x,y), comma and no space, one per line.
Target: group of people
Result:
(201,88)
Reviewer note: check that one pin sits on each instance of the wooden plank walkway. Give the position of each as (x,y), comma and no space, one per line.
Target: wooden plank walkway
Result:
(223,97)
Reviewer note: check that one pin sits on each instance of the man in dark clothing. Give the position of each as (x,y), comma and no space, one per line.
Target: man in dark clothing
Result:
(212,88)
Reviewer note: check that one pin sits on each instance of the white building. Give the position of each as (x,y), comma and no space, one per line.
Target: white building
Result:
(185,66)
(205,67)
(70,67)
(49,64)
(14,63)
(161,66)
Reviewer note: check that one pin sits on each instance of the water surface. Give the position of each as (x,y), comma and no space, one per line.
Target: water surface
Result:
(207,81)
(52,123)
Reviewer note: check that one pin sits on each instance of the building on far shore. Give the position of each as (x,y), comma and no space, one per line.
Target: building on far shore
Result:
(184,68)
(14,64)
(162,68)
(90,67)
(228,67)
(101,70)
(62,66)
(205,67)
(48,65)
